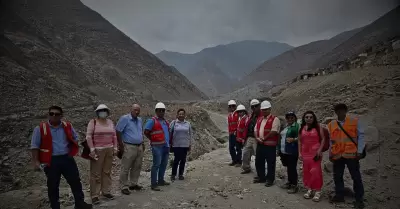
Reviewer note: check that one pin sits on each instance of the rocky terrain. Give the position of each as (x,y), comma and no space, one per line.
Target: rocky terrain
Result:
(223,64)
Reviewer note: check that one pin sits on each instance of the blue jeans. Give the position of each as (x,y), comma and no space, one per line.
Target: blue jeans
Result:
(235,149)
(160,162)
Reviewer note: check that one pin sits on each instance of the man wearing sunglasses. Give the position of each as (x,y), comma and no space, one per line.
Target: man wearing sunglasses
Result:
(54,143)
(251,142)
(157,130)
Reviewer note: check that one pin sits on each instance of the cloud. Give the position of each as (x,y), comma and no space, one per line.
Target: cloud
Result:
(191,25)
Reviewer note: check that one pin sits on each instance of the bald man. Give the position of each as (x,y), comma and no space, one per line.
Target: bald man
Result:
(130,142)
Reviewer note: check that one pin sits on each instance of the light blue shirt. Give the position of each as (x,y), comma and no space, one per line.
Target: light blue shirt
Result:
(60,141)
(149,126)
(360,137)
(131,129)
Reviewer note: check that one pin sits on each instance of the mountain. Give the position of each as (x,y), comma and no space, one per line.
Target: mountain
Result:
(62,52)
(286,65)
(234,60)
(384,28)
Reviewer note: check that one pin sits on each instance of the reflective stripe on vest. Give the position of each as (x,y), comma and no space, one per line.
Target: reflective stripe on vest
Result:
(342,146)
(271,141)
(157,135)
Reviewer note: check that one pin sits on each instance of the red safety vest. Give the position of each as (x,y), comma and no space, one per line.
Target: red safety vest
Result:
(157,135)
(233,122)
(241,133)
(46,145)
(271,141)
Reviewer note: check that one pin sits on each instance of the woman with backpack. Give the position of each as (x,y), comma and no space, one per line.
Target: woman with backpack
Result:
(102,141)
(311,146)
(181,137)
(288,151)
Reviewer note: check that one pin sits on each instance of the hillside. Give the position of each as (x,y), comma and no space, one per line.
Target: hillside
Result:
(386,27)
(65,53)
(234,60)
(288,64)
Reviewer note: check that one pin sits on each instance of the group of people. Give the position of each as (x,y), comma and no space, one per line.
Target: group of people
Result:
(55,143)
(262,134)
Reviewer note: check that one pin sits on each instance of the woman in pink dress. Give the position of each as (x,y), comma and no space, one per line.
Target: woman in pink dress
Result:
(310,152)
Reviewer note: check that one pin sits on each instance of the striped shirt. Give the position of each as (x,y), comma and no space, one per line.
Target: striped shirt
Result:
(101,136)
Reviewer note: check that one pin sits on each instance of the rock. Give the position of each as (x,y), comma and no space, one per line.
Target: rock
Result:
(328,167)
(359,111)
(370,171)
(7,179)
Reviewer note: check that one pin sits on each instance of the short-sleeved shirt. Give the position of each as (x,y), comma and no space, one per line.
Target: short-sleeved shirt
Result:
(276,125)
(131,129)
(149,126)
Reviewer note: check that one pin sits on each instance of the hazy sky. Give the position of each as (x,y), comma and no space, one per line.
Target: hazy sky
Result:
(191,25)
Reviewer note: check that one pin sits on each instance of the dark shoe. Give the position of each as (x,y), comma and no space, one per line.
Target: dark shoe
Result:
(95,200)
(287,185)
(359,205)
(181,178)
(163,183)
(336,199)
(245,171)
(255,178)
(126,192)
(172,178)
(136,187)
(155,188)
(293,189)
(109,196)
(84,205)
(259,181)
(269,183)
(232,164)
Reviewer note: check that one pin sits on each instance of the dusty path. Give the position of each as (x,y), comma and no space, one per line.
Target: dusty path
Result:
(211,183)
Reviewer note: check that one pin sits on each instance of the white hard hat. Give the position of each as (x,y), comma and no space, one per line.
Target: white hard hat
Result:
(231,102)
(265,105)
(102,107)
(240,107)
(160,105)
(254,102)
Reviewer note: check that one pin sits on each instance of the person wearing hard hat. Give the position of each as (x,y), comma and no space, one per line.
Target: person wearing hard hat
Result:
(157,130)
(267,135)
(54,145)
(102,141)
(131,149)
(250,145)
(233,118)
(241,131)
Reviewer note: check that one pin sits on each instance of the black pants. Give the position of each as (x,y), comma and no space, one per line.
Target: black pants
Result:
(290,161)
(266,154)
(235,149)
(354,169)
(66,166)
(180,154)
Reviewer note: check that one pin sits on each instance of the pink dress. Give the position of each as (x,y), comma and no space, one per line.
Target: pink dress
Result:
(312,171)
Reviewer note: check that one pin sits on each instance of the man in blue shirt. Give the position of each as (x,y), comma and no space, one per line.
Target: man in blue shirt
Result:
(130,139)
(159,148)
(59,161)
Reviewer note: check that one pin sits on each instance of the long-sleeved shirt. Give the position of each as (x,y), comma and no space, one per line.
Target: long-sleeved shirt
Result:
(60,141)
(101,136)
(181,133)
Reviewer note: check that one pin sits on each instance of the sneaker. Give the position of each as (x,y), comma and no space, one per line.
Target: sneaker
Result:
(269,183)
(95,200)
(308,194)
(336,199)
(245,171)
(259,181)
(163,183)
(125,191)
(293,189)
(155,188)
(172,178)
(181,178)
(287,185)
(136,187)
(359,205)
(108,196)
(317,196)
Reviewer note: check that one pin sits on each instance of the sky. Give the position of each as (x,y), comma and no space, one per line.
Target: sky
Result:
(188,26)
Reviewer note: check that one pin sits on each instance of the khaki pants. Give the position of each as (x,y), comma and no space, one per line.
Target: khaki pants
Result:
(131,165)
(248,150)
(100,172)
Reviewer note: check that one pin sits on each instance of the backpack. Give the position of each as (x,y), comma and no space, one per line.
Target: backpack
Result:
(326,136)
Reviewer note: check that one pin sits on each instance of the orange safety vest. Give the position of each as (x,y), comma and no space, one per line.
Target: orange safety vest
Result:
(233,122)
(342,146)
(241,133)
(157,135)
(46,145)
(271,141)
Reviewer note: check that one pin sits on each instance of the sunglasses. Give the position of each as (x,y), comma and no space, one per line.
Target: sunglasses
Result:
(54,114)
(253,106)
(231,106)
(309,117)
(160,110)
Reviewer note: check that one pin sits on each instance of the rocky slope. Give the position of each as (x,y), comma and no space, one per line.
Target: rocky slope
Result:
(232,62)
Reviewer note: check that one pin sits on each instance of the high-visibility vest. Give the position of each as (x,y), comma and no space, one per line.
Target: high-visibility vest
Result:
(270,141)
(157,135)
(232,122)
(342,146)
(241,133)
(46,145)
